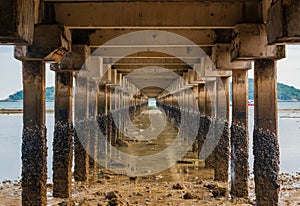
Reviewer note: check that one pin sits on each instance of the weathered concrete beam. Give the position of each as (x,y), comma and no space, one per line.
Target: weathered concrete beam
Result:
(239,134)
(179,69)
(17,21)
(148,54)
(265,141)
(208,69)
(99,37)
(50,43)
(63,136)
(194,77)
(139,15)
(250,42)
(185,53)
(283,24)
(222,60)
(163,60)
(75,59)
(34,146)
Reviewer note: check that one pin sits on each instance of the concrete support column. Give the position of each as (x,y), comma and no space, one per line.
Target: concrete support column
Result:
(201,103)
(201,98)
(210,98)
(265,141)
(210,112)
(196,98)
(221,152)
(34,147)
(239,134)
(101,100)
(109,117)
(81,143)
(63,135)
(113,109)
(93,112)
(101,150)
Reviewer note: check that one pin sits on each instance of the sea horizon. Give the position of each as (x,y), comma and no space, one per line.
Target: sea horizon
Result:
(11,138)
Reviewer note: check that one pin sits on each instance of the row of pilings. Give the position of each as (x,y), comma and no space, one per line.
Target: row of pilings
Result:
(83,141)
(223,145)
(34,151)
(210,137)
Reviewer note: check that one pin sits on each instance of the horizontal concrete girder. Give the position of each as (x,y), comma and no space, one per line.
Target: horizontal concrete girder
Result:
(208,69)
(17,22)
(51,43)
(97,38)
(283,25)
(222,60)
(75,59)
(151,60)
(175,51)
(163,14)
(251,43)
(145,61)
(177,70)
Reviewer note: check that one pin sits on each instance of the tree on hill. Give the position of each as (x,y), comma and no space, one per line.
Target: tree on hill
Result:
(18,96)
(285,92)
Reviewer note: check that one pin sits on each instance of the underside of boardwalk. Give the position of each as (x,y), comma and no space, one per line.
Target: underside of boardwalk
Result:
(112,57)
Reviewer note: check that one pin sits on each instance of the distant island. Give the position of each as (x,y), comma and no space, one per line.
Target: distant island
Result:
(285,93)
(18,96)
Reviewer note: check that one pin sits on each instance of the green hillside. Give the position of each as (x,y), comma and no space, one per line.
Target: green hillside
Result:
(18,96)
(285,92)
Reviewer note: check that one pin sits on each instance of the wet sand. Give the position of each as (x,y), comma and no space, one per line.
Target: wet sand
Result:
(20,111)
(154,190)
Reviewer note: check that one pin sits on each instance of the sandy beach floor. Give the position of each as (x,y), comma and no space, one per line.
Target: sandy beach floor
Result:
(110,189)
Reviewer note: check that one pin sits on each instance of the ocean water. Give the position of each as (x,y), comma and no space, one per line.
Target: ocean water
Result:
(19,105)
(10,145)
(11,134)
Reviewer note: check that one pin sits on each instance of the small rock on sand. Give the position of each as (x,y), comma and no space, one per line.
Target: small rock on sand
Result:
(211,186)
(178,186)
(115,202)
(122,143)
(219,192)
(188,196)
(111,195)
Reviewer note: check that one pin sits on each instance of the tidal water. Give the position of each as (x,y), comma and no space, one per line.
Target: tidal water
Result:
(11,133)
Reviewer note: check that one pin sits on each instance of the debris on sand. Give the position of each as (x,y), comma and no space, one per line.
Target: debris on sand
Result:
(188,196)
(178,186)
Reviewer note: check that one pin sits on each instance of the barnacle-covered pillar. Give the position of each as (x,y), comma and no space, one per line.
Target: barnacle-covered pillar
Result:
(82,133)
(251,43)
(265,141)
(221,152)
(50,43)
(93,112)
(63,135)
(77,59)
(34,146)
(239,134)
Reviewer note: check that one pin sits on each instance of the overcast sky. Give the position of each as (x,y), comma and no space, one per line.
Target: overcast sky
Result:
(11,70)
